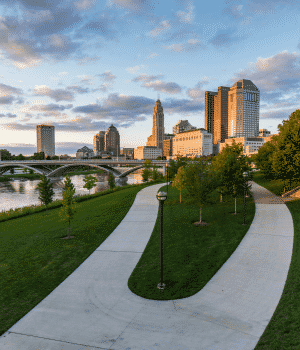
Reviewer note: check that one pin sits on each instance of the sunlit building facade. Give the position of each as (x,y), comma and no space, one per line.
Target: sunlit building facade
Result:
(45,139)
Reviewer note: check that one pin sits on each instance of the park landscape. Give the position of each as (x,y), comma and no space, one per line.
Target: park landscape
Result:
(204,212)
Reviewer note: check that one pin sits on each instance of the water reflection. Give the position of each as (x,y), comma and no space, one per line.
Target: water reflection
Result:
(23,192)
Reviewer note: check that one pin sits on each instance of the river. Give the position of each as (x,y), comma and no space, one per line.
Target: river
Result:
(23,192)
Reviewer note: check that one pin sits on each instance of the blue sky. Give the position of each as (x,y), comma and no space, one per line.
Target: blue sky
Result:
(84,65)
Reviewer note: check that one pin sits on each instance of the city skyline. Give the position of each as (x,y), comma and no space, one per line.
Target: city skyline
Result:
(106,63)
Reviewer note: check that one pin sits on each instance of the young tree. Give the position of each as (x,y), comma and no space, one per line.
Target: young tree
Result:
(68,184)
(111,181)
(12,171)
(175,165)
(45,188)
(68,209)
(155,174)
(201,180)
(146,171)
(90,182)
(180,180)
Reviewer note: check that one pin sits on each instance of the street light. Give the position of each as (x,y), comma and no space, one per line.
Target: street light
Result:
(161,196)
(245,174)
(167,166)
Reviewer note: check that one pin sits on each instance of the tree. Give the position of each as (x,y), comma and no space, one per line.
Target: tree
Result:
(263,158)
(31,171)
(90,182)
(20,157)
(201,180)
(111,181)
(25,170)
(146,171)
(68,209)
(175,165)
(12,171)
(5,155)
(68,184)
(180,180)
(45,188)
(155,174)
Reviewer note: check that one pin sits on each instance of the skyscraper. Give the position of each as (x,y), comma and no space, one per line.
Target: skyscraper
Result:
(220,124)
(182,125)
(112,141)
(99,142)
(158,129)
(243,109)
(209,111)
(45,139)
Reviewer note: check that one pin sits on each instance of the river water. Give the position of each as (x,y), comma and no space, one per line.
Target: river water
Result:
(24,192)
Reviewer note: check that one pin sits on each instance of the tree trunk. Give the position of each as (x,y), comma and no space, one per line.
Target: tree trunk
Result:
(180,196)
(235,205)
(221,198)
(69,230)
(200,214)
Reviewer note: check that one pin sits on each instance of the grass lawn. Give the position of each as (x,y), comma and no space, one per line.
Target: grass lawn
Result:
(283,330)
(192,255)
(33,258)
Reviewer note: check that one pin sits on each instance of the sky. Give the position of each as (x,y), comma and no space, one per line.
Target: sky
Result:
(84,65)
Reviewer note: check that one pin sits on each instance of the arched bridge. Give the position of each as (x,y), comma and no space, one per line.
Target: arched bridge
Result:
(65,166)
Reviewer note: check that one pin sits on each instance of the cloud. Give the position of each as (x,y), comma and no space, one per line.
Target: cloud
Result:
(190,45)
(182,106)
(62,73)
(188,16)
(136,6)
(151,56)
(86,79)
(78,89)
(161,28)
(225,38)
(283,114)
(8,115)
(107,76)
(7,93)
(197,92)
(99,25)
(87,59)
(84,4)
(57,95)
(7,100)
(153,82)
(50,107)
(133,70)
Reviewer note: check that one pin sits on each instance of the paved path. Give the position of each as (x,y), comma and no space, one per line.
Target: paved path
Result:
(94,309)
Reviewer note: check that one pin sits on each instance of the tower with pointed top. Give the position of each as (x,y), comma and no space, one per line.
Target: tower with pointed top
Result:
(158,129)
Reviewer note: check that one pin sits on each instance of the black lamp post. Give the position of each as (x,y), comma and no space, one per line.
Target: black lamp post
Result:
(245,174)
(167,166)
(161,196)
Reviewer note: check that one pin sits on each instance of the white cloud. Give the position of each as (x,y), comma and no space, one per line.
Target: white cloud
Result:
(153,55)
(186,17)
(133,70)
(162,28)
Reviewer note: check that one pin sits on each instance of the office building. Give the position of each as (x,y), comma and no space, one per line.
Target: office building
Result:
(127,152)
(84,152)
(45,139)
(158,129)
(209,111)
(147,152)
(182,125)
(194,143)
(112,141)
(250,144)
(168,147)
(220,119)
(243,109)
(264,133)
(99,143)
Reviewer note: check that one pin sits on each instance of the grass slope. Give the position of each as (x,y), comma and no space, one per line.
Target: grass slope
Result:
(283,330)
(33,258)
(192,255)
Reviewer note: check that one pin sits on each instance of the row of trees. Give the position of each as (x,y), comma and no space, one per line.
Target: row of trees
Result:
(68,208)
(280,157)
(223,173)
(150,171)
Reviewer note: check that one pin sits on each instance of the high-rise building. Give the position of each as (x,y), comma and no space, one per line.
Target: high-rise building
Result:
(112,141)
(99,143)
(243,109)
(220,123)
(264,133)
(45,139)
(158,129)
(182,125)
(209,111)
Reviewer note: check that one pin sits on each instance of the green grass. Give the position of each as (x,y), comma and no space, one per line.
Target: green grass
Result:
(189,252)
(33,258)
(283,330)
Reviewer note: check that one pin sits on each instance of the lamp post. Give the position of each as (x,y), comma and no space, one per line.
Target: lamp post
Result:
(161,196)
(245,174)
(167,166)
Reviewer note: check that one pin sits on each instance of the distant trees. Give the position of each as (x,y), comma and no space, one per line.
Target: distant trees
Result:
(20,157)
(38,156)
(5,155)
(147,170)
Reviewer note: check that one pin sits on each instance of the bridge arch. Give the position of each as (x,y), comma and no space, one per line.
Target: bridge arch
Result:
(131,170)
(62,170)
(5,167)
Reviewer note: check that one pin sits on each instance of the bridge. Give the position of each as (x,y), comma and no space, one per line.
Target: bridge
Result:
(65,166)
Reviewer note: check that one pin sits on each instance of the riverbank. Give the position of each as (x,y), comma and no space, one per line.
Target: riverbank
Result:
(34,258)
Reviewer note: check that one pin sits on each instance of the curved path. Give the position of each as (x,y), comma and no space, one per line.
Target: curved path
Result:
(94,309)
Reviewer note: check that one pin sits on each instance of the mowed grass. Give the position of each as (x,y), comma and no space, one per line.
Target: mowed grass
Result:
(34,259)
(283,330)
(192,255)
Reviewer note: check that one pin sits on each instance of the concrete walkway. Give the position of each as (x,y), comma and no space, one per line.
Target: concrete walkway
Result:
(94,309)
